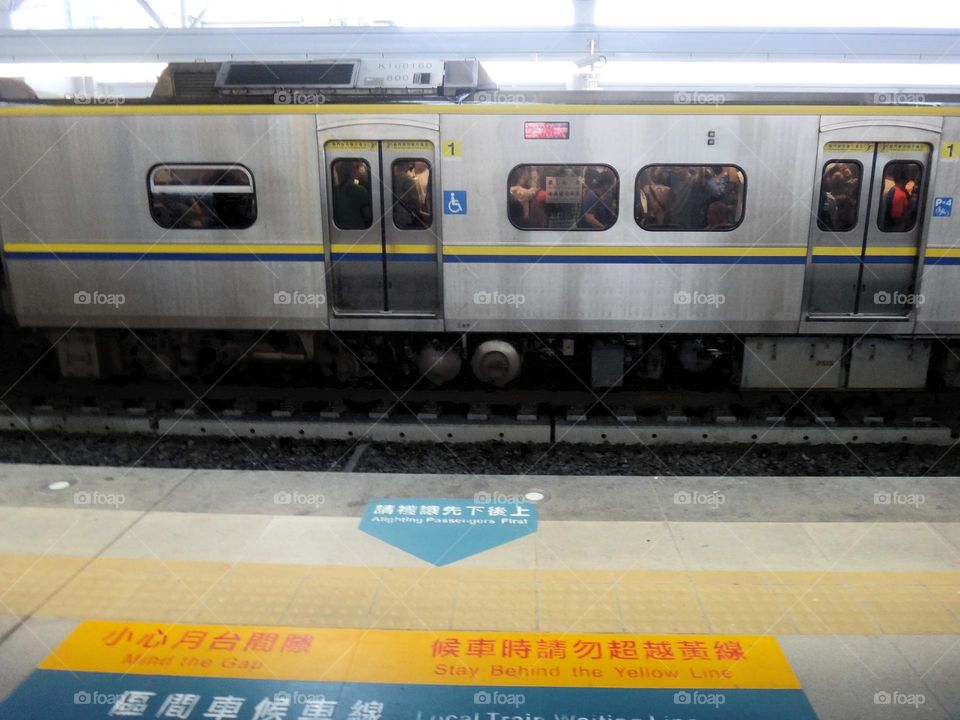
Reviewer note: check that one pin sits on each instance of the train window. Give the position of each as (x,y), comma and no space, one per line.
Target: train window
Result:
(563,197)
(901,196)
(412,208)
(690,197)
(202,197)
(352,204)
(839,195)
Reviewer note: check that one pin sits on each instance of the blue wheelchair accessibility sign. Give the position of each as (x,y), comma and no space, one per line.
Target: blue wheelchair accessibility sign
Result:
(943,207)
(454,202)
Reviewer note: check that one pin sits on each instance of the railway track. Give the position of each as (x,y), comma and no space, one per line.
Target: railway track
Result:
(621,417)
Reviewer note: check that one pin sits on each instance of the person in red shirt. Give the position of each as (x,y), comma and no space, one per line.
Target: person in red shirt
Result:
(897,202)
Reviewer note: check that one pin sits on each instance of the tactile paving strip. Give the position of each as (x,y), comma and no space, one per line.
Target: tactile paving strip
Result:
(555,600)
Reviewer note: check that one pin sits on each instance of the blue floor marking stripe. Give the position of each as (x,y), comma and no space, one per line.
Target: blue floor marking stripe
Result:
(64,695)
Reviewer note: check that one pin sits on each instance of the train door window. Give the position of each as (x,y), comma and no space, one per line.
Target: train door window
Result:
(563,197)
(839,196)
(352,204)
(412,193)
(202,197)
(690,197)
(900,197)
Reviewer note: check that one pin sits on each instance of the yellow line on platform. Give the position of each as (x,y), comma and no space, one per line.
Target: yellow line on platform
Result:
(425,657)
(462,598)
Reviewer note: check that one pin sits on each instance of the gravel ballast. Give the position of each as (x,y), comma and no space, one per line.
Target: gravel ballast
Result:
(480,458)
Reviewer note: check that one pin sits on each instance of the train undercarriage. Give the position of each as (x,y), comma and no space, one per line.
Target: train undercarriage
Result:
(548,361)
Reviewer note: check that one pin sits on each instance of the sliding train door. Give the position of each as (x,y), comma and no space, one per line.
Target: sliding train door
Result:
(866,229)
(381,227)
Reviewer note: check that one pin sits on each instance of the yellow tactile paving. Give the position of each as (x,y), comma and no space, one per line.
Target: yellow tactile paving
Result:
(247,596)
(464,598)
(743,608)
(415,598)
(496,600)
(26,581)
(341,599)
(578,601)
(185,586)
(648,605)
(907,609)
(99,589)
(825,609)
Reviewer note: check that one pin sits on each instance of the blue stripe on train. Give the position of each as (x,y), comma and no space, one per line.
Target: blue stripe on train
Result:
(513,259)
(632,259)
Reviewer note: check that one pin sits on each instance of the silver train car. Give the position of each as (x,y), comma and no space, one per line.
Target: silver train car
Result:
(469,239)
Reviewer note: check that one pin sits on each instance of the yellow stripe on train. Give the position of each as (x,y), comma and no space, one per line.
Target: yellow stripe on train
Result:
(492,109)
(857,250)
(160,248)
(624,251)
(376,248)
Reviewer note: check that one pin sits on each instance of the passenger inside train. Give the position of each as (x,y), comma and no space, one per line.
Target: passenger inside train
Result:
(411,195)
(689,197)
(901,196)
(352,205)
(563,197)
(840,196)
(202,197)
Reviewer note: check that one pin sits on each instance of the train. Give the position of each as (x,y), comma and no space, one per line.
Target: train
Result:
(446,232)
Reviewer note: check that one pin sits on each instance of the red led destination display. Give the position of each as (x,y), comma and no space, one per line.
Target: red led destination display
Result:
(540,130)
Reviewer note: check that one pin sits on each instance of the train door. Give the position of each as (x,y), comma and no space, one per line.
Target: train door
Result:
(865,231)
(381,227)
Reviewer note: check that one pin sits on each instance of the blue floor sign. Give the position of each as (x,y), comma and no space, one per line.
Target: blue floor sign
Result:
(444,530)
(63,695)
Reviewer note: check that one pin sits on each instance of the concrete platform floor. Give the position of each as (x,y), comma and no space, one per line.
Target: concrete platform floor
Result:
(858,578)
